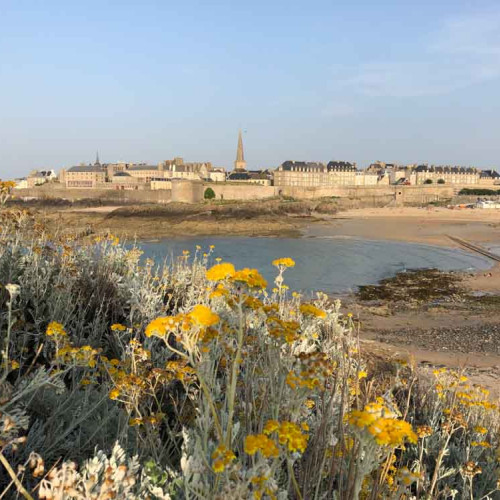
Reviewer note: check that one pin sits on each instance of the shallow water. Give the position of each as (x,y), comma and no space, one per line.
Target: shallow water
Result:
(330,264)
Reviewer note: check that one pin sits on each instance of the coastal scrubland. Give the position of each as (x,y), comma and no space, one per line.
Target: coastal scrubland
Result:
(128,378)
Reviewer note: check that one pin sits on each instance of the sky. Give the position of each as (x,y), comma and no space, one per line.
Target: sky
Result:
(397,81)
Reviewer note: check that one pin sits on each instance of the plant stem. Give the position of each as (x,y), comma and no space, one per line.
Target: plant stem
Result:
(14,478)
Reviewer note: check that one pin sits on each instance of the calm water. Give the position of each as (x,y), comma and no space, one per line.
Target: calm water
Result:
(329,264)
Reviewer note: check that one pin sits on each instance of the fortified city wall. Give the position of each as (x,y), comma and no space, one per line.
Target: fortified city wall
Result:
(186,191)
(128,196)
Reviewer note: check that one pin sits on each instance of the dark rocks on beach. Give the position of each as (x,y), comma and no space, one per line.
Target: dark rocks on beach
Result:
(414,286)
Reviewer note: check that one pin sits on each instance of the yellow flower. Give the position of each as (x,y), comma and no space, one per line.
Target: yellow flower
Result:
(260,442)
(220,272)
(424,431)
(284,262)
(203,316)
(251,277)
(218,466)
(481,430)
(55,329)
(114,393)
(362,374)
(162,324)
(271,426)
(310,310)
(117,327)
(14,364)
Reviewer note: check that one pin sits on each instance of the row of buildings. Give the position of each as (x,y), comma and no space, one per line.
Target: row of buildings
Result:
(301,174)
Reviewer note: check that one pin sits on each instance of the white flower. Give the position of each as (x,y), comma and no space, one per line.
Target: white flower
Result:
(13,290)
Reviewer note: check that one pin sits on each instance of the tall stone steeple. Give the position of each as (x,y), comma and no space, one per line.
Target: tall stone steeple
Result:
(240,164)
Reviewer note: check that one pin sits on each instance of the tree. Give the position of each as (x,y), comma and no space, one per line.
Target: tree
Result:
(428,181)
(209,194)
(440,181)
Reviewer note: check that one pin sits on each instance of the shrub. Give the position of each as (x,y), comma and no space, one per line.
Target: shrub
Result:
(440,181)
(428,181)
(209,194)
(215,387)
(479,192)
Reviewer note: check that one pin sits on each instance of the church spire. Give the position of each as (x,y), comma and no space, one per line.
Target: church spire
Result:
(97,158)
(240,163)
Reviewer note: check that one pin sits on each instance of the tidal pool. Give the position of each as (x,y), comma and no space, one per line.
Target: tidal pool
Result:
(334,265)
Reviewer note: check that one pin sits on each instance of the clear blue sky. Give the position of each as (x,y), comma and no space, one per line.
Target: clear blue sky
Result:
(146,80)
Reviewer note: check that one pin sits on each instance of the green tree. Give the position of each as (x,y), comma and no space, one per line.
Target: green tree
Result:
(428,181)
(440,181)
(209,194)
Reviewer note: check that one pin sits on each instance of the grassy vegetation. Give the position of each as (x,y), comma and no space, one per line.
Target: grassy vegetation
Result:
(479,192)
(123,378)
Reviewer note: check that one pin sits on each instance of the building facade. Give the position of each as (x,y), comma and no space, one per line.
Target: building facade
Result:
(85,176)
(315,174)
(423,174)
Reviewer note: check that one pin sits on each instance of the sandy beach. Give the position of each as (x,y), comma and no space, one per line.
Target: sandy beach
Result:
(430,225)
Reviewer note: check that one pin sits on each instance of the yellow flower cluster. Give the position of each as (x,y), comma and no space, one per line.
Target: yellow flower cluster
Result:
(250,277)
(55,329)
(289,434)
(153,419)
(382,425)
(80,356)
(222,457)
(203,316)
(117,327)
(280,329)
(423,431)
(180,370)
(482,444)
(225,270)
(262,443)
(470,469)
(221,272)
(284,262)
(315,368)
(200,316)
(311,310)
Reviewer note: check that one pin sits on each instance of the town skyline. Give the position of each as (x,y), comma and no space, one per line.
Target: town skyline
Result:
(315,81)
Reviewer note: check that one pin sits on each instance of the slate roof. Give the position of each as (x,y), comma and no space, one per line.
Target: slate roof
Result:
(446,169)
(485,174)
(238,176)
(144,167)
(341,166)
(86,168)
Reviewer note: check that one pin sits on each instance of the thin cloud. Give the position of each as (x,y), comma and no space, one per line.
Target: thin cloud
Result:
(464,52)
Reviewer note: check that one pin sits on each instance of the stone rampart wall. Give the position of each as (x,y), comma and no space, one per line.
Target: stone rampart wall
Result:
(246,192)
(192,192)
(105,195)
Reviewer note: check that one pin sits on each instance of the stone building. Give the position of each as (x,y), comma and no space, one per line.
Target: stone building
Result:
(84,176)
(122,180)
(445,175)
(39,177)
(489,178)
(262,177)
(314,174)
